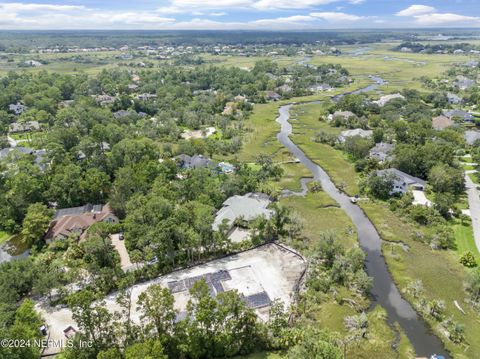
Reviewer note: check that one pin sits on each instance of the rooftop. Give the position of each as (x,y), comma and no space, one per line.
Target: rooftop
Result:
(248,207)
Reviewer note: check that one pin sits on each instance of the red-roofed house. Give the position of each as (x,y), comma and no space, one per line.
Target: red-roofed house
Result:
(77,220)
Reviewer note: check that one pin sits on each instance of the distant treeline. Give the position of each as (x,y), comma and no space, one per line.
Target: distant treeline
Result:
(24,41)
(431,49)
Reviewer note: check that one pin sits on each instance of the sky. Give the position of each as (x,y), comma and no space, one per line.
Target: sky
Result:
(237,14)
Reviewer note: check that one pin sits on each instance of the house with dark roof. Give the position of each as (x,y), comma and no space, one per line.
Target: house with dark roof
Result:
(197,161)
(402,181)
(77,220)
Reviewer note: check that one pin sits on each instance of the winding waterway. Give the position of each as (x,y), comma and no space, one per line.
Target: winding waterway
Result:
(384,290)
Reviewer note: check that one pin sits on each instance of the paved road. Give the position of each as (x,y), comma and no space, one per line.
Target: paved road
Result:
(474,204)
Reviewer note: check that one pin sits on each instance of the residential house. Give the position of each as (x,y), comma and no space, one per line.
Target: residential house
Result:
(125,113)
(284,89)
(197,161)
(39,156)
(464,83)
(272,96)
(32,63)
(24,127)
(387,98)
(17,108)
(345,115)
(453,99)
(320,87)
(442,122)
(104,100)
(245,208)
(472,64)
(402,181)
(77,220)
(146,97)
(353,133)
(471,136)
(461,114)
(382,151)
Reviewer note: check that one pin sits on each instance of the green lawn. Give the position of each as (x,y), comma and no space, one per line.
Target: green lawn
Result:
(4,236)
(465,241)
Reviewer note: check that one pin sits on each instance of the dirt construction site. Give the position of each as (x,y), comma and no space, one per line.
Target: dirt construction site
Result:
(260,276)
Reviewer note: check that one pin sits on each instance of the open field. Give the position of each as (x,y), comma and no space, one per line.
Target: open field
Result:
(401,70)
(270,269)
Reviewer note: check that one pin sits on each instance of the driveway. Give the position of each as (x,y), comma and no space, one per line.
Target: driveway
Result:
(119,245)
(12,142)
(419,198)
(474,204)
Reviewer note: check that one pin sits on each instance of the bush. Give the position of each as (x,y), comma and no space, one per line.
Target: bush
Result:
(468,260)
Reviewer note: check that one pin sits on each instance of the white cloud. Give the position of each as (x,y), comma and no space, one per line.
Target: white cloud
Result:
(186,5)
(17,15)
(222,13)
(416,10)
(337,16)
(428,16)
(447,19)
(292,4)
(21,7)
(211,4)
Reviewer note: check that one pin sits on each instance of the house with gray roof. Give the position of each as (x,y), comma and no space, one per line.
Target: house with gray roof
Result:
(24,127)
(387,98)
(197,161)
(17,108)
(39,156)
(471,136)
(464,83)
(246,208)
(353,133)
(453,99)
(272,96)
(461,114)
(402,181)
(382,151)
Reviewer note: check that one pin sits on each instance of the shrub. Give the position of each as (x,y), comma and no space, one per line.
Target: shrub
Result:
(468,260)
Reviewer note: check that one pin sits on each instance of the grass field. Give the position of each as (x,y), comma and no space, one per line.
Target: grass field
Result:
(464,237)
(334,162)
(401,70)
(4,236)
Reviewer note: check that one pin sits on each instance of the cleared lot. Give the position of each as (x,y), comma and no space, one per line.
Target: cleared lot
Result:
(260,275)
